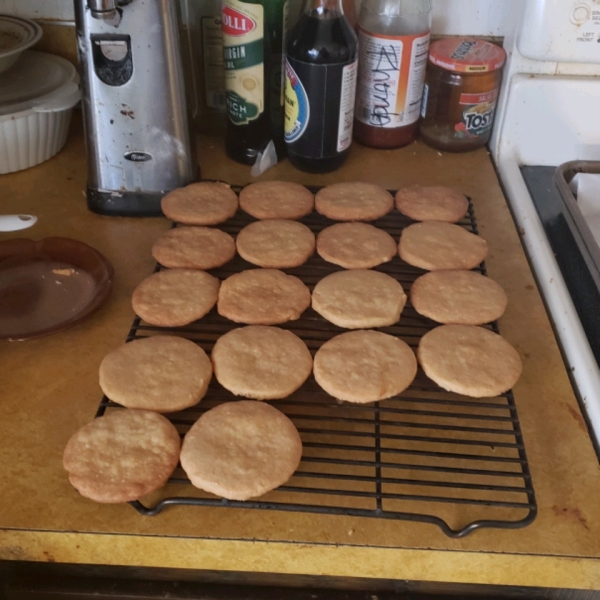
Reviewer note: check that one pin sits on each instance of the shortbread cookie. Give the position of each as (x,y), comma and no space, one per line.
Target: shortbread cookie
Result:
(175,297)
(469,360)
(204,203)
(364,366)
(355,245)
(241,450)
(432,203)
(262,297)
(276,200)
(359,299)
(434,245)
(353,201)
(162,373)
(458,297)
(258,362)
(194,248)
(122,456)
(276,243)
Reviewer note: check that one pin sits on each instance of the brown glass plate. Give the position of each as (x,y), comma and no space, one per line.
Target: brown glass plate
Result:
(49,285)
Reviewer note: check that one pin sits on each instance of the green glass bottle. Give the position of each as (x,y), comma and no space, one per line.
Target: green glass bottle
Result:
(278,23)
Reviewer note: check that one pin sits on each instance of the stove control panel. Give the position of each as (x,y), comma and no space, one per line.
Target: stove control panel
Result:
(561,31)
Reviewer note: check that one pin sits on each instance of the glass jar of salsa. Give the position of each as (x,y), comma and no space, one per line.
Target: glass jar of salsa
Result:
(461,89)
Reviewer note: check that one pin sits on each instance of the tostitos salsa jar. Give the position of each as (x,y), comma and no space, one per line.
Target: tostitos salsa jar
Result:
(461,89)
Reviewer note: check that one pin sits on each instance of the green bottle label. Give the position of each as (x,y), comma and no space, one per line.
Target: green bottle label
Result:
(240,111)
(243,32)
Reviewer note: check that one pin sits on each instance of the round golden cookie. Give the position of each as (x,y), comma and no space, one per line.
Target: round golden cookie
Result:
(122,456)
(434,245)
(458,297)
(359,299)
(262,297)
(241,450)
(355,245)
(175,297)
(204,203)
(469,360)
(353,201)
(264,363)
(276,243)
(364,366)
(194,248)
(432,203)
(162,373)
(276,200)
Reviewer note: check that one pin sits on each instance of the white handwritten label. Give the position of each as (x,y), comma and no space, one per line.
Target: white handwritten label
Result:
(347,106)
(391,74)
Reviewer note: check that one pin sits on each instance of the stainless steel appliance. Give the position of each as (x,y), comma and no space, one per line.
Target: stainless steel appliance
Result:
(138,139)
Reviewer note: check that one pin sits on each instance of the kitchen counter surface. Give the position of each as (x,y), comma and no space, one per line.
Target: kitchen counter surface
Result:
(50,388)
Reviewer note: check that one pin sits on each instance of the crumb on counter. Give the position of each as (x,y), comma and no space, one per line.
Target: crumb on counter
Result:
(65,272)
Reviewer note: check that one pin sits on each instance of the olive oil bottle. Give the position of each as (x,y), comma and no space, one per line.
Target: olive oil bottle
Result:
(253,49)
(245,52)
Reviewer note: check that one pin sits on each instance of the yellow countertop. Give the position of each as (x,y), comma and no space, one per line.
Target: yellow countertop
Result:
(50,388)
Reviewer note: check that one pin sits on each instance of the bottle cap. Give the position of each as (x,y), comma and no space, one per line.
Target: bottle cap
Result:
(464,55)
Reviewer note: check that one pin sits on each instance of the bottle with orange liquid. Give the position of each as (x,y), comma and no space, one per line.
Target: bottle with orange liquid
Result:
(393,46)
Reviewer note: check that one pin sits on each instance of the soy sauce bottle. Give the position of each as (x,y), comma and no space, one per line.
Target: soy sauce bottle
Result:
(321,69)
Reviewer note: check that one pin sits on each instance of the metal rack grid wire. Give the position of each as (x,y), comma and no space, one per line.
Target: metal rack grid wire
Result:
(426,455)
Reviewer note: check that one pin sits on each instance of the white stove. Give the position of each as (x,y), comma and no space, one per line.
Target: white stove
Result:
(549,114)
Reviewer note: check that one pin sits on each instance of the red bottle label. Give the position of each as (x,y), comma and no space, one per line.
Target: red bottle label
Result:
(478,114)
(235,23)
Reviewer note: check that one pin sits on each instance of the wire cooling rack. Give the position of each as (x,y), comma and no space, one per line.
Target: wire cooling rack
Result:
(426,455)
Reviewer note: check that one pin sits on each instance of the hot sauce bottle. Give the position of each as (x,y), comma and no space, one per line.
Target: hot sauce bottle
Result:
(393,45)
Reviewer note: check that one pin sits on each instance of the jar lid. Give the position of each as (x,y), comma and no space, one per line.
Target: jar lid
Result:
(465,55)
(36,81)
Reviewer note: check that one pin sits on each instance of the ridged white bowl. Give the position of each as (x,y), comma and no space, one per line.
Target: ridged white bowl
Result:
(32,138)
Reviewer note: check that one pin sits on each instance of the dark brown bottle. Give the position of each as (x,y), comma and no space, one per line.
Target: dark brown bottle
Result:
(321,67)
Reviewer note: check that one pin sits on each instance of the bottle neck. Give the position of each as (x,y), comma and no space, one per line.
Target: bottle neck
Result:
(323,8)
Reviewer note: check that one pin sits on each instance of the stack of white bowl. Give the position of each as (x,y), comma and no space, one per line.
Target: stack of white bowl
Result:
(37,94)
